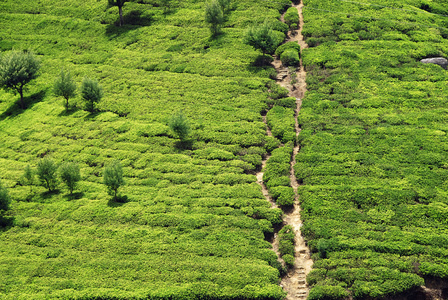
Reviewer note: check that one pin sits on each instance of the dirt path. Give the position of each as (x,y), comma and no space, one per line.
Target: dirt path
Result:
(294,283)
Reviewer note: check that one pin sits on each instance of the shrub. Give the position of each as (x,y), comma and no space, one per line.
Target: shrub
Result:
(4,198)
(113,178)
(27,177)
(288,45)
(91,92)
(327,292)
(65,86)
(283,195)
(46,171)
(290,57)
(180,125)
(17,69)
(69,173)
(289,260)
(276,91)
(261,37)
(292,17)
(214,16)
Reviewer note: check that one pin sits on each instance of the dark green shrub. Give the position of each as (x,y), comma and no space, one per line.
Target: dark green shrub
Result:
(283,195)
(113,178)
(28,177)
(279,26)
(289,260)
(46,171)
(286,237)
(290,57)
(4,198)
(292,17)
(262,38)
(70,175)
(288,45)
(214,16)
(180,126)
(271,143)
(91,92)
(276,91)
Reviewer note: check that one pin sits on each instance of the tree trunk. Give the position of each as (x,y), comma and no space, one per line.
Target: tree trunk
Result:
(120,11)
(22,103)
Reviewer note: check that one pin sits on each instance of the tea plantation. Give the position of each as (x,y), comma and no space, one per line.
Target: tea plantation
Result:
(373,159)
(191,219)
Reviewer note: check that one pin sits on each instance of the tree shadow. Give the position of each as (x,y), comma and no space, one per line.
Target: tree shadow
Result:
(48,194)
(118,201)
(184,145)
(69,112)
(74,196)
(132,20)
(15,109)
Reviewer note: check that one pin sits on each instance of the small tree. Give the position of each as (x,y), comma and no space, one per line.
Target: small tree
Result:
(214,16)
(65,86)
(180,126)
(261,37)
(4,198)
(91,92)
(16,70)
(113,178)
(70,175)
(46,171)
(119,4)
(28,177)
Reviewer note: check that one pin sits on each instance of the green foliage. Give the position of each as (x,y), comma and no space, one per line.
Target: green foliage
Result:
(5,199)
(276,91)
(281,121)
(286,237)
(283,195)
(292,17)
(214,16)
(113,178)
(46,171)
(288,45)
(290,57)
(225,5)
(261,37)
(289,260)
(328,292)
(18,68)
(70,175)
(194,226)
(180,126)
(91,92)
(65,86)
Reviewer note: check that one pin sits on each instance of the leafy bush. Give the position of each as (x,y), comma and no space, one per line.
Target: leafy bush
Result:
(4,198)
(283,195)
(328,292)
(262,38)
(214,16)
(288,45)
(292,17)
(290,57)
(46,171)
(92,93)
(289,260)
(180,126)
(282,123)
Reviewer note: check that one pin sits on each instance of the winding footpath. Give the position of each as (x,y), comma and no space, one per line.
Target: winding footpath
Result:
(294,282)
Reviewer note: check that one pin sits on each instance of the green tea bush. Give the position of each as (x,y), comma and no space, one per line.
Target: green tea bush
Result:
(283,195)
(281,121)
(113,178)
(290,57)
(4,199)
(292,17)
(288,45)
(328,292)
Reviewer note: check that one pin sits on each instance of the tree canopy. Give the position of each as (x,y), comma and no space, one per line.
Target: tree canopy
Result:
(18,68)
